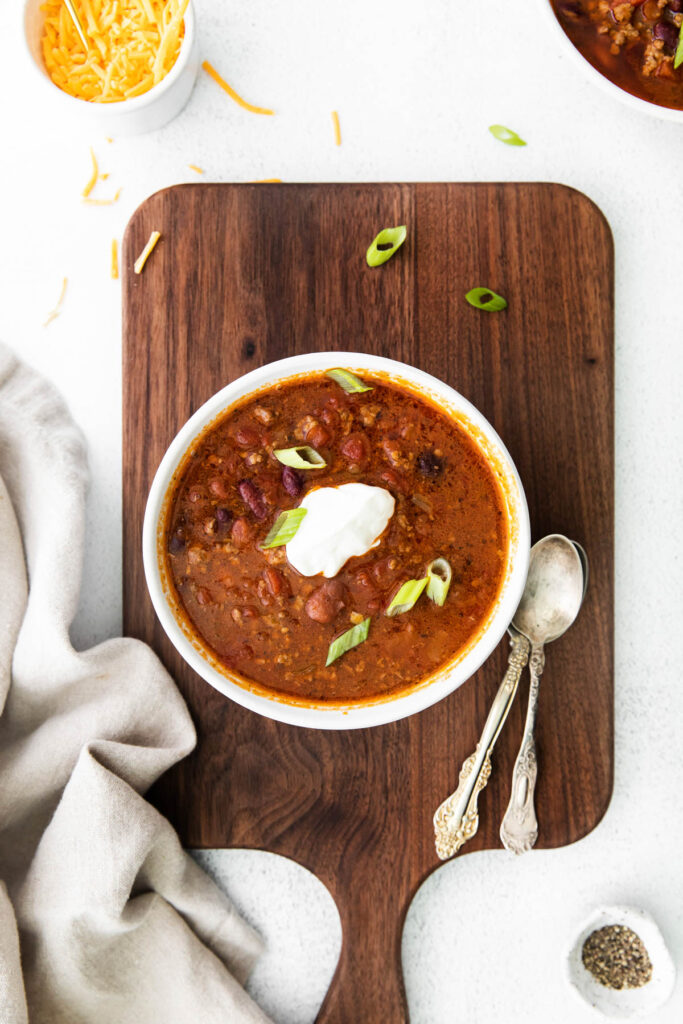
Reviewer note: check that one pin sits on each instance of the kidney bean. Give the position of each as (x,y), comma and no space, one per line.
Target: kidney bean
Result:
(252,496)
(242,532)
(668,33)
(676,6)
(218,487)
(277,584)
(429,464)
(223,515)
(292,481)
(326,601)
(246,437)
(355,448)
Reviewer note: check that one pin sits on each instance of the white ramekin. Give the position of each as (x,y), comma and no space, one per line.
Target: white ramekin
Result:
(595,76)
(387,709)
(140,114)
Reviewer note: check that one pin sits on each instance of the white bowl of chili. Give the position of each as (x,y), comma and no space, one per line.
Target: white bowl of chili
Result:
(602,67)
(250,625)
(146,112)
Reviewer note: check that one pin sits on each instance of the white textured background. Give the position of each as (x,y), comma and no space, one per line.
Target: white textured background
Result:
(416,86)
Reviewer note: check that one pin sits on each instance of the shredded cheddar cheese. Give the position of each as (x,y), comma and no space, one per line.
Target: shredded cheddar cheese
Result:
(103,202)
(132,44)
(265,181)
(193,167)
(114,259)
(92,180)
(337,129)
(211,71)
(144,255)
(54,313)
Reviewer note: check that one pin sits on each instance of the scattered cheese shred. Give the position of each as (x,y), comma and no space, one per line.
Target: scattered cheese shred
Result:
(337,128)
(92,180)
(144,255)
(103,202)
(114,259)
(54,313)
(193,167)
(103,177)
(108,139)
(265,181)
(133,44)
(211,71)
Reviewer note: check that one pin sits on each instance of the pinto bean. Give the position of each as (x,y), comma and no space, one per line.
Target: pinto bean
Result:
(242,532)
(355,448)
(254,498)
(292,481)
(218,486)
(312,432)
(394,481)
(246,437)
(203,596)
(326,601)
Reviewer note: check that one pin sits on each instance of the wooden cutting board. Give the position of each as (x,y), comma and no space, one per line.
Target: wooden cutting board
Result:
(245,274)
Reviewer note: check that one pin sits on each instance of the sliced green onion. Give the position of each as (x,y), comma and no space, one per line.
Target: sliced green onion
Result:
(506,135)
(284,528)
(678,58)
(439,575)
(383,247)
(351,638)
(406,597)
(301,457)
(351,384)
(484,298)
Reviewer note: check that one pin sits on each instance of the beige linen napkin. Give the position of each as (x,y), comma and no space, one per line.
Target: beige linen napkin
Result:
(103,917)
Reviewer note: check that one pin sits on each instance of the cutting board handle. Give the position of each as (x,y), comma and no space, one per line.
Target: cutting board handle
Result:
(367,987)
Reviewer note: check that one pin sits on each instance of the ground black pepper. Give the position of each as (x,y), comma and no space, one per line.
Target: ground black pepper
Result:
(616,957)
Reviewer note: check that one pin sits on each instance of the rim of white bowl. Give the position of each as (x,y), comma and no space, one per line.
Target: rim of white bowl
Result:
(136,102)
(606,84)
(369,713)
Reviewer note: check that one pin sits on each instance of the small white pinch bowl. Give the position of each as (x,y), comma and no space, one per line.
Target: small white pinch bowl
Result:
(563,41)
(625,1003)
(145,113)
(283,707)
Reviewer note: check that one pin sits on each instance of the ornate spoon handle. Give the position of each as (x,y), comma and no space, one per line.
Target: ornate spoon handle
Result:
(519,828)
(457,819)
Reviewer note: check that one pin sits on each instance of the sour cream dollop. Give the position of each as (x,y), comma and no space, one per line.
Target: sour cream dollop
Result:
(340,523)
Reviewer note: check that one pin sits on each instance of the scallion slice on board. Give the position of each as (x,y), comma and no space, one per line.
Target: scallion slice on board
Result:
(484,298)
(351,638)
(506,135)
(383,247)
(284,528)
(301,457)
(439,575)
(406,597)
(351,384)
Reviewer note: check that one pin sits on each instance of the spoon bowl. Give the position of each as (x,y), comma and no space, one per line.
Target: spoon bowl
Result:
(554,592)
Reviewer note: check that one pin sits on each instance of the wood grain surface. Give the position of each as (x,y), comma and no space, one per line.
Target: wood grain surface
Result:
(245,274)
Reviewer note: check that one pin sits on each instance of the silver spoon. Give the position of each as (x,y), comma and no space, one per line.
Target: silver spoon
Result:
(554,592)
(457,818)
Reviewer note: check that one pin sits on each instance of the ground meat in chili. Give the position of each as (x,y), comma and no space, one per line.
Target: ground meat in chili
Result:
(633,44)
